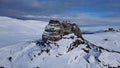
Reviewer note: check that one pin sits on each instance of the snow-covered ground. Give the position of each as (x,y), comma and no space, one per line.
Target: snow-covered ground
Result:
(109,40)
(13,31)
(18,49)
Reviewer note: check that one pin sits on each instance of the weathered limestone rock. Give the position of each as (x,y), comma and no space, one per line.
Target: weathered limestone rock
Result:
(67,28)
(75,29)
(55,30)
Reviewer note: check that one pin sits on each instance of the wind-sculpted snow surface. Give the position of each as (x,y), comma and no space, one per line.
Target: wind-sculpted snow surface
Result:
(69,52)
(55,55)
(108,40)
(13,31)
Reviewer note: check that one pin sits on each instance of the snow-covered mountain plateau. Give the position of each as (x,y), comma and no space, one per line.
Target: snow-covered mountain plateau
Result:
(21,46)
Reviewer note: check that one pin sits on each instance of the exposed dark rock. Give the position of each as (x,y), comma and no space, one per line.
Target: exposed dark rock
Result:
(115,67)
(66,28)
(111,29)
(2,67)
(72,37)
(37,67)
(10,59)
(106,39)
(75,29)
(55,30)
(59,54)
(75,44)
(87,51)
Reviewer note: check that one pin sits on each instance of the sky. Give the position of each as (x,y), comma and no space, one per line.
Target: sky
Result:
(84,12)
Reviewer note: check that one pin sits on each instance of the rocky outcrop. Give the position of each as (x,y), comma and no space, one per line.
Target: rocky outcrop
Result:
(55,30)
(67,28)
(69,41)
(75,29)
(93,55)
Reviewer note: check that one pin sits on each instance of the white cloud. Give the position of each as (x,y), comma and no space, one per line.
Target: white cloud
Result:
(82,18)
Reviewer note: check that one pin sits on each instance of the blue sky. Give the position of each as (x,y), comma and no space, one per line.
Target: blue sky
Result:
(85,12)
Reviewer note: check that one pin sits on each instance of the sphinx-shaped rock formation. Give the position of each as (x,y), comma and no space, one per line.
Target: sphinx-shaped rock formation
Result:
(55,30)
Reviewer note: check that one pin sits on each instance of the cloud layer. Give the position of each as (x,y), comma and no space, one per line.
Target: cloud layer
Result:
(82,11)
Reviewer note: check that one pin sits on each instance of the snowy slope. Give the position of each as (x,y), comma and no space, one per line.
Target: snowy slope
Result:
(109,40)
(13,31)
(19,48)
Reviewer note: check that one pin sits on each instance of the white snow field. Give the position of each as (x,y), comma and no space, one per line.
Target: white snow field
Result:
(13,31)
(109,40)
(18,48)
